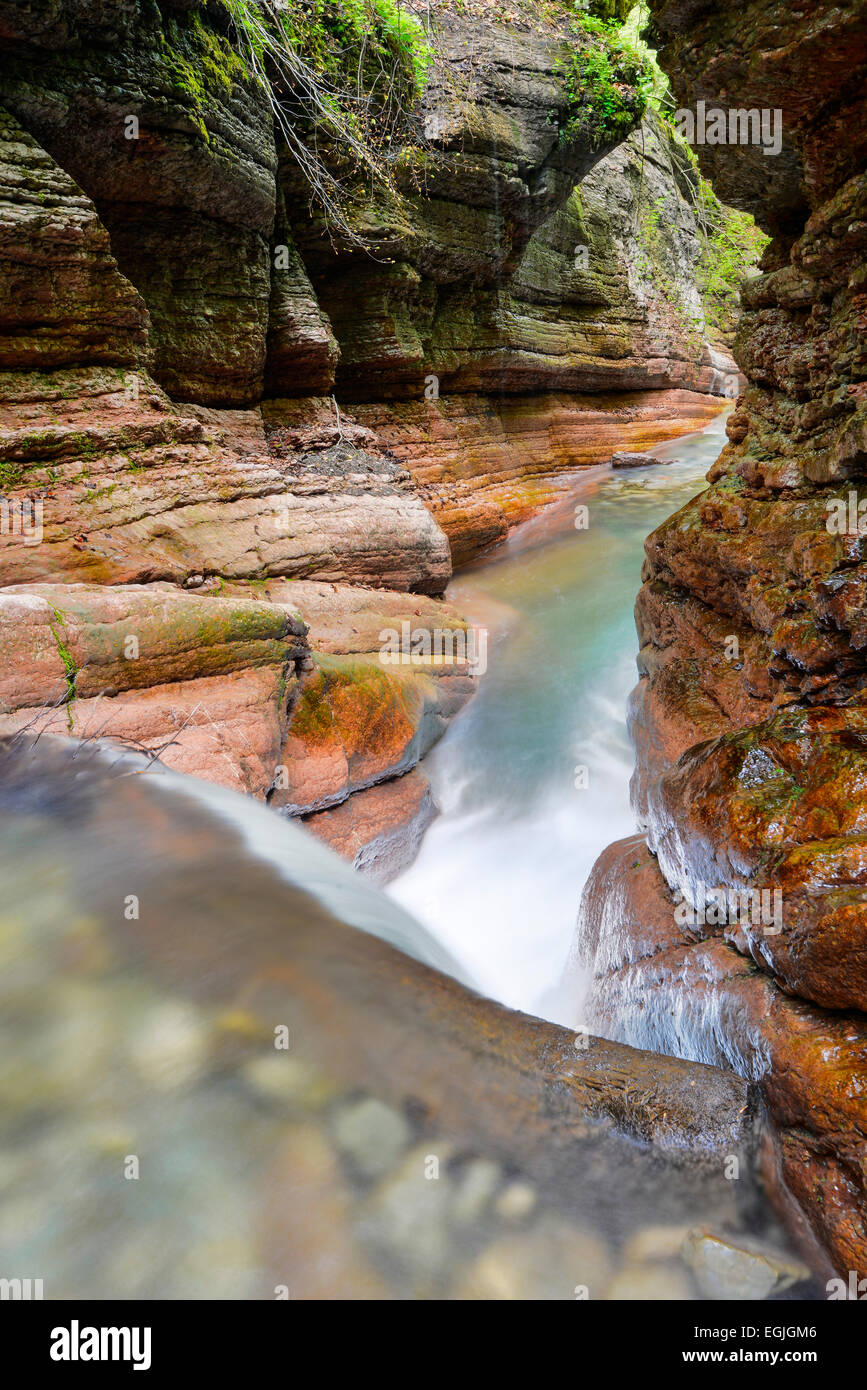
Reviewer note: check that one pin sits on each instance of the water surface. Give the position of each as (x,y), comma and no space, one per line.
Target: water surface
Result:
(500,873)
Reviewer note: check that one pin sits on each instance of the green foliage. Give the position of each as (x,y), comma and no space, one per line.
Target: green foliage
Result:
(732,247)
(342,77)
(608,81)
(407,37)
(69,669)
(342,40)
(12,474)
(659,96)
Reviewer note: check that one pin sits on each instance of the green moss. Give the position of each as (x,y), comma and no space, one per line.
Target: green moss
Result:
(200,63)
(312,719)
(12,474)
(101,492)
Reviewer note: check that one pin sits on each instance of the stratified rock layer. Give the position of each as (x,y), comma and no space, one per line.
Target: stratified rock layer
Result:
(183,336)
(656,986)
(751,770)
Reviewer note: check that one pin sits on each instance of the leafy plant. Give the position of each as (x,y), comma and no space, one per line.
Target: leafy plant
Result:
(341,77)
(608,82)
(732,245)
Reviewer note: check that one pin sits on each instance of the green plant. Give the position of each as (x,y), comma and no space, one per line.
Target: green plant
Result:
(608,82)
(69,668)
(341,77)
(732,245)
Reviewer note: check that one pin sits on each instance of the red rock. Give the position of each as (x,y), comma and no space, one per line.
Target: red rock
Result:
(653,985)
(359,721)
(379,829)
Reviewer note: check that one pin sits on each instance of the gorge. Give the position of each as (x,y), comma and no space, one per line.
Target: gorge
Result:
(307,309)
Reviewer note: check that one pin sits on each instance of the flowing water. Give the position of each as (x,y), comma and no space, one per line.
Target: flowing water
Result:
(500,873)
(219,1079)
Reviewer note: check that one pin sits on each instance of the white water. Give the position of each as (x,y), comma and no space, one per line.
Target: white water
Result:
(500,873)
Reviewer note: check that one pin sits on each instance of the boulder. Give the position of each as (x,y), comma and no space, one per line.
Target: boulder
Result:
(622,460)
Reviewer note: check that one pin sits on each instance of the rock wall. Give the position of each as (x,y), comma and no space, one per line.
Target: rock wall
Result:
(205,394)
(749,716)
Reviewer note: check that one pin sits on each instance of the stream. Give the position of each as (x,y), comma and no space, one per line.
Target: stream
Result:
(218,1079)
(500,874)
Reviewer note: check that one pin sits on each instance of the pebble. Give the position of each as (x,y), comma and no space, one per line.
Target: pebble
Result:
(553,1260)
(516,1201)
(725,1270)
(371,1135)
(288,1082)
(476,1186)
(168,1045)
(655,1243)
(408,1218)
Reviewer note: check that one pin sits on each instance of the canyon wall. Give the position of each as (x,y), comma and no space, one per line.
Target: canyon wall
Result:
(252,444)
(749,717)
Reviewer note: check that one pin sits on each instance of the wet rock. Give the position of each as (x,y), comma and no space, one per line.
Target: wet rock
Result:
(657,985)
(379,829)
(778,813)
(748,717)
(289,935)
(359,721)
(622,460)
(727,1270)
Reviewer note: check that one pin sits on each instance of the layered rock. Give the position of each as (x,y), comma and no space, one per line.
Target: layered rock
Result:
(62,297)
(513,326)
(489,273)
(751,772)
(379,830)
(235,686)
(655,986)
(483,464)
(156,118)
(204,683)
(133,489)
(177,321)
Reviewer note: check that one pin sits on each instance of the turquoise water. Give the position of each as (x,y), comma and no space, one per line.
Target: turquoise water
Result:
(500,873)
